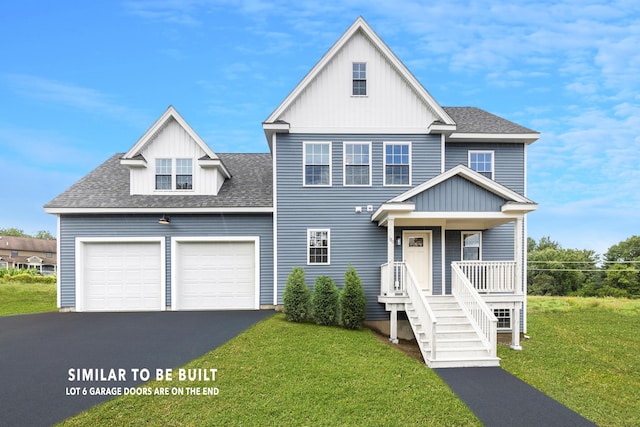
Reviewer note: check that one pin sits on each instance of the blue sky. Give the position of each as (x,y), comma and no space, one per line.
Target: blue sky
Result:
(80,81)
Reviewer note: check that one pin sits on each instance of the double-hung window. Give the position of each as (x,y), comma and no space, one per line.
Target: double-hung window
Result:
(471,245)
(357,164)
(397,163)
(317,163)
(359,75)
(184,174)
(163,174)
(318,246)
(482,162)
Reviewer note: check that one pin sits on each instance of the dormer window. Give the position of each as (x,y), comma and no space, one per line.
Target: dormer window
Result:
(184,174)
(359,79)
(163,174)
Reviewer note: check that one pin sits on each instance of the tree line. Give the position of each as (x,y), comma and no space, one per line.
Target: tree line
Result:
(554,270)
(18,232)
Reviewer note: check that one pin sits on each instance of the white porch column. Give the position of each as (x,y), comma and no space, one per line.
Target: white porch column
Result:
(515,324)
(518,246)
(390,249)
(393,324)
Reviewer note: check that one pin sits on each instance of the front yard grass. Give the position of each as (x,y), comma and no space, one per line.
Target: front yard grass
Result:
(282,373)
(583,352)
(24,298)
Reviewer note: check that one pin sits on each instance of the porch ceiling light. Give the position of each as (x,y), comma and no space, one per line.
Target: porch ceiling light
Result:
(164,220)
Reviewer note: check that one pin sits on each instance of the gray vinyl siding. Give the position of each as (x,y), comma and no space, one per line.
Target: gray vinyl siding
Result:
(468,197)
(508,161)
(354,239)
(73,226)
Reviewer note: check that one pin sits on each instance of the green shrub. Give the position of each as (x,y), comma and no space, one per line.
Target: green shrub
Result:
(324,301)
(353,303)
(28,278)
(297,297)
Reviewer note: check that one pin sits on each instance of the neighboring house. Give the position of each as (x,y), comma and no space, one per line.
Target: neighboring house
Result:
(28,253)
(428,203)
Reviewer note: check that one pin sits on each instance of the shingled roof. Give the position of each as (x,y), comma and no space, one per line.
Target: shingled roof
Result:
(107,187)
(475,120)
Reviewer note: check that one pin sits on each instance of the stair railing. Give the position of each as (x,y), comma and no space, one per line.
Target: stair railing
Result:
(422,309)
(481,316)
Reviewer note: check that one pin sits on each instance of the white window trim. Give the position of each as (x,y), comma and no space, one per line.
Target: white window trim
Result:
(462,233)
(509,316)
(493,159)
(174,176)
(384,164)
(304,163)
(366,79)
(307,246)
(344,164)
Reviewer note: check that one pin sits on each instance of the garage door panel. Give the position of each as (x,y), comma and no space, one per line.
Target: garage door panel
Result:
(121,276)
(215,275)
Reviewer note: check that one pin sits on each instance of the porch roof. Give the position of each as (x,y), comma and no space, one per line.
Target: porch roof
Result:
(402,208)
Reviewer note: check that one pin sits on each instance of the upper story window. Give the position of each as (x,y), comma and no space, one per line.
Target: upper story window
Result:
(318,246)
(317,163)
(357,163)
(49,255)
(359,87)
(482,162)
(163,174)
(471,245)
(184,174)
(397,163)
(14,252)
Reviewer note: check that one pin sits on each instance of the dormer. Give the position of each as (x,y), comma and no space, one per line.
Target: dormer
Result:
(170,158)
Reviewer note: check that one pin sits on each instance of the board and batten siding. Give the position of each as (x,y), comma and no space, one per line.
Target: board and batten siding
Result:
(354,239)
(213,225)
(173,142)
(509,161)
(457,195)
(390,103)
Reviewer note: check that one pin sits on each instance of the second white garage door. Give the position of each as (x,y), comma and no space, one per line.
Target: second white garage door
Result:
(215,274)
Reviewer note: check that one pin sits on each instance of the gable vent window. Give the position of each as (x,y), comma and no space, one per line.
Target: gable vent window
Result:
(184,174)
(163,174)
(359,79)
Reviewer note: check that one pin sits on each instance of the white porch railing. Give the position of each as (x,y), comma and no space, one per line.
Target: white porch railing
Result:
(479,312)
(392,285)
(421,306)
(491,277)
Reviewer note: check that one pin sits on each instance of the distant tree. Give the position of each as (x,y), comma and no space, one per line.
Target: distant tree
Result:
(44,234)
(15,232)
(557,271)
(622,270)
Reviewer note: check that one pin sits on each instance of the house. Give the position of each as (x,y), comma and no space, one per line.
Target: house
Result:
(28,253)
(364,168)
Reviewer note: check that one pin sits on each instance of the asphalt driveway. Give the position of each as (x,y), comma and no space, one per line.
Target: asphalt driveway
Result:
(38,350)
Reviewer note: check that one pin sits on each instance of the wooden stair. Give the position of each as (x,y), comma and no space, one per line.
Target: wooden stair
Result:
(457,342)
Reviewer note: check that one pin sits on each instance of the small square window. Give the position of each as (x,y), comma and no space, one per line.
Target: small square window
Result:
(504,317)
(359,75)
(482,162)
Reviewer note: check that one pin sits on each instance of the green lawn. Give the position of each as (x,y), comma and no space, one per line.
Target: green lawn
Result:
(585,353)
(23,298)
(280,373)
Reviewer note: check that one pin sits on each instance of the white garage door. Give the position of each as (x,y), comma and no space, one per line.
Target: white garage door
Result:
(210,275)
(120,276)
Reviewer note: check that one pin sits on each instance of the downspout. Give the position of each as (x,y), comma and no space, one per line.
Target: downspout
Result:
(275,219)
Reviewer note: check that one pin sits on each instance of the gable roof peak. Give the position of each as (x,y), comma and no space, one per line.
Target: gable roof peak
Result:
(170,114)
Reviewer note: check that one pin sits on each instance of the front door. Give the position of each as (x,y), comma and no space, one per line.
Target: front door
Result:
(416,249)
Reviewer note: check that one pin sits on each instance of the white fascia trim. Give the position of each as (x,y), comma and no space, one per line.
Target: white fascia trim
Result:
(215,163)
(386,208)
(453,215)
(526,138)
(151,132)
(80,241)
(512,207)
(361,131)
(441,128)
(274,159)
(217,239)
(469,174)
(133,163)
(156,210)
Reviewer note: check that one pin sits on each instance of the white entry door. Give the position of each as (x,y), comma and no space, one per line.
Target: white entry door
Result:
(416,249)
